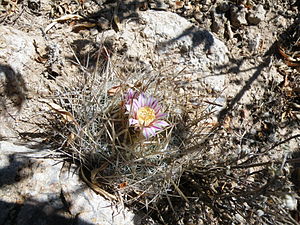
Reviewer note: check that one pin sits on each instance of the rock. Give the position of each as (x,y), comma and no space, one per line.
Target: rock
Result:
(16,51)
(256,15)
(223,7)
(238,16)
(164,34)
(17,48)
(36,190)
(218,24)
(103,23)
(254,42)
(260,212)
(199,17)
(158,5)
(92,207)
(290,202)
(281,21)
(18,77)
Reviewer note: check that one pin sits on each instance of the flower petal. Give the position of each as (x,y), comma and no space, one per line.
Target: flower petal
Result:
(154,103)
(148,132)
(156,128)
(160,115)
(130,96)
(128,107)
(141,101)
(157,109)
(135,105)
(160,123)
(148,101)
(152,131)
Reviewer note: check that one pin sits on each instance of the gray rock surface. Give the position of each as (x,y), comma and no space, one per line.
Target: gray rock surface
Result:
(36,190)
(18,77)
(17,48)
(166,37)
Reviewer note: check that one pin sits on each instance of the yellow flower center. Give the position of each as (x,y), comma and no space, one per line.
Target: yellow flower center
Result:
(145,115)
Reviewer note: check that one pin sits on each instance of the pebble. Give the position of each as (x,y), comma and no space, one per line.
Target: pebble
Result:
(260,212)
(290,202)
(223,7)
(238,16)
(218,24)
(158,5)
(280,21)
(257,15)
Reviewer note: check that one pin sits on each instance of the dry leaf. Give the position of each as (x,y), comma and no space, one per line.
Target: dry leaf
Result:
(283,116)
(115,89)
(179,4)
(68,117)
(62,19)
(82,26)
(227,122)
(98,189)
(68,17)
(292,64)
(41,52)
(116,23)
(71,139)
(41,59)
(50,26)
(123,185)
(290,61)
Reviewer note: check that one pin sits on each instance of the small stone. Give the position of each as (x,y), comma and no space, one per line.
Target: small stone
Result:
(290,202)
(94,32)
(280,21)
(179,4)
(218,24)
(254,43)
(103,23)
(238,16)
(158,5)
(198,17)
(223,7)
(205,8)
(34,5)
(260,212)
(257,15)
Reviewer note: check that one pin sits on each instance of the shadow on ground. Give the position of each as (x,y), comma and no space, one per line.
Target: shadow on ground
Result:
(14,87)
(267,58)
(37,213)
(24,210)
(198,37)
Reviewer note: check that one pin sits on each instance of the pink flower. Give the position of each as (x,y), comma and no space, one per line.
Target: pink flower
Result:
(130,95)
(145,114)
